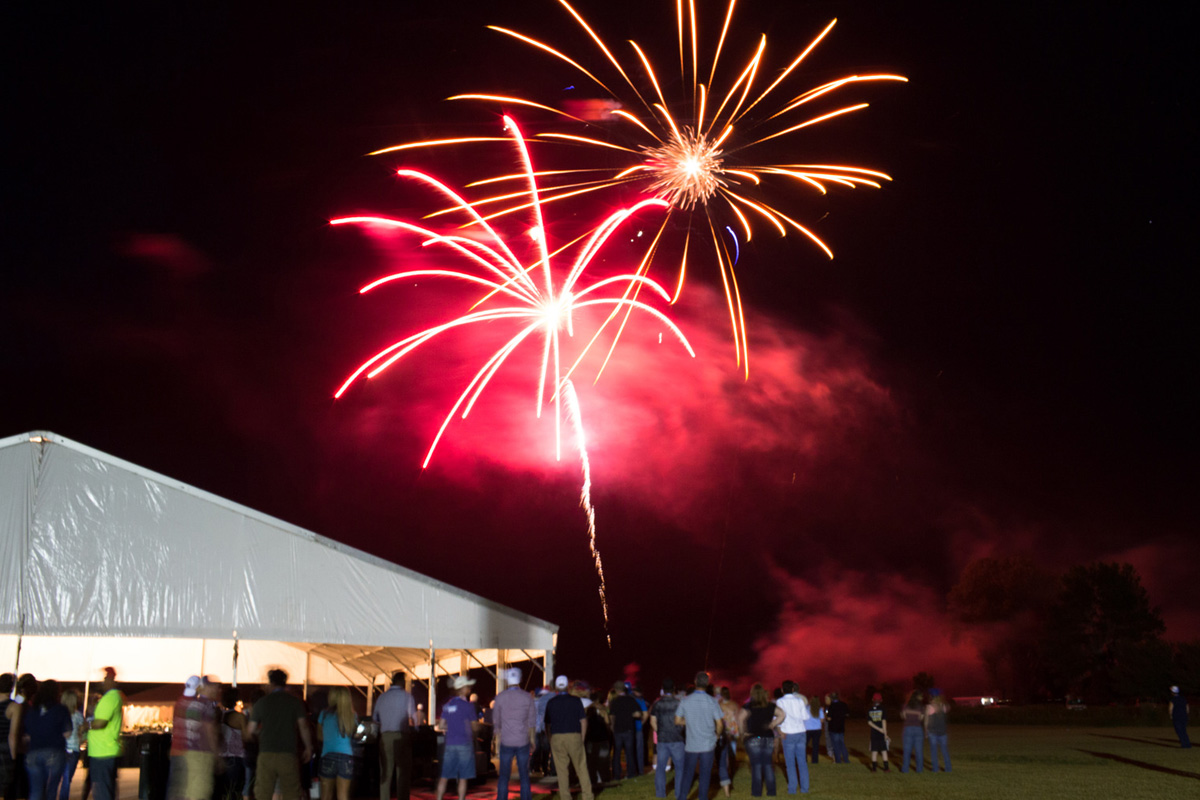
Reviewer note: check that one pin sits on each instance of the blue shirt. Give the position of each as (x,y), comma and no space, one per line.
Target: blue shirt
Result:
(458,714)
(332,740)
(701,715)
(394,710)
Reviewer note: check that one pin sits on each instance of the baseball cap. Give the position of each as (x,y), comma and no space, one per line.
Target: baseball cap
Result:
(512,676)
(560,682)
(191,686)
(877,697)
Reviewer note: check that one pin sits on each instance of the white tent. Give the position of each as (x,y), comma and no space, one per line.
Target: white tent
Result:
(105,563)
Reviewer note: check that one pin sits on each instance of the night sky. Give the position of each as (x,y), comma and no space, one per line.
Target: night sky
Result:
(1000,360)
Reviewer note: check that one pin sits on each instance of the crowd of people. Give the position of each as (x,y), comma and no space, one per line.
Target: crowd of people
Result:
(224,747)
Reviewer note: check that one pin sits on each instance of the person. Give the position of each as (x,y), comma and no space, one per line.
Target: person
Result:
(702,718)
(9,712)
(251,745)
(280,723)
(935,729)
(193,742)
(396,713)
(727,746)
(47,724)
(597,740)
(669,740)
(566,724)
(914,729)
(623,711)
(335,727)
(231,747)
(836,719)
(1177,707)
(541,757)
(514,720)
(459,720)
(795,736)
(70,700)
(758,720)
(104,738)
(812,730)
(877,723)
(640,729)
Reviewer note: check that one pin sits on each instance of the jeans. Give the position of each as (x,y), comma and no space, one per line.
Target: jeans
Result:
(793,759)
(507,754)
(937,742)
(913,743)
(1181,732)
(64,791)
(837,744)
(623,740)
(104,777)
(812,741)
(725,751)
(45,768)
(693,763)
(640,741)
(762,771)
(674,752)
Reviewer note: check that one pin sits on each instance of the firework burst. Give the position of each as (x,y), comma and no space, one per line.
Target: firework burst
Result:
(538,297)
(696,149)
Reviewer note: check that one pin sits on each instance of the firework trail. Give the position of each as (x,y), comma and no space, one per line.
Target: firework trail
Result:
(585,494)
(699,160)
(535,296)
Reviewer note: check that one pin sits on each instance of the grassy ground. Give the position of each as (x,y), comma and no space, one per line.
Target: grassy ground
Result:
(998,762)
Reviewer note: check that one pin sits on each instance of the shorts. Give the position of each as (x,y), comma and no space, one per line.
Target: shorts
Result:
(878,742)
(458,761)
(191,775)
(337,765)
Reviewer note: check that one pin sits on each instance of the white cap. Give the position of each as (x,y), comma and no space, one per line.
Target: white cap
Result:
(1174,690)
(512,676)
(461,681)
(189,688)
(560,682)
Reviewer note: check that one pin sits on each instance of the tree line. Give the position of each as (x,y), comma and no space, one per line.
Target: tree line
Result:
(1088,633)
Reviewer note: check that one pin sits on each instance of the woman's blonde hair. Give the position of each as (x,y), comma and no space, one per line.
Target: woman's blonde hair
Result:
(339,701)
(70,699)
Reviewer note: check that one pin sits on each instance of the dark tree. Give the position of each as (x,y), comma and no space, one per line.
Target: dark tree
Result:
(1101,630)
(1002,604)
(923,682)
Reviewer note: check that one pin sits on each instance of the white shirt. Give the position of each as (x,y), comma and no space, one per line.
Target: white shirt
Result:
(796,711)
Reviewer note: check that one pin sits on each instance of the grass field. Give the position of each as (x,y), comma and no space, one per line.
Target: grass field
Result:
(999,761)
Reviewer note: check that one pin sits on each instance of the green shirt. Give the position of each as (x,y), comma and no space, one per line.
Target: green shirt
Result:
(277,714)
(106,742)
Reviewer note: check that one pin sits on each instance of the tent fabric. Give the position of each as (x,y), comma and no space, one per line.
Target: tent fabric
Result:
(93,546)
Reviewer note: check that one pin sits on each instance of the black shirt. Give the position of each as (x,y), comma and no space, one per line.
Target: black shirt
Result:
(564,712)
(838,711)
(621,710)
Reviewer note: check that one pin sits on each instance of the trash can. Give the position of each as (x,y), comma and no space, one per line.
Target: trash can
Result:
(154,751)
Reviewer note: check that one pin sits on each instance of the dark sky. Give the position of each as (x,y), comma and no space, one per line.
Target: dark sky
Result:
(999,361)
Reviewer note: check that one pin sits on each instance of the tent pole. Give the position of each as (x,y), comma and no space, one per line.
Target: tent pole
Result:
(431,710)
(307,664)
(235,656)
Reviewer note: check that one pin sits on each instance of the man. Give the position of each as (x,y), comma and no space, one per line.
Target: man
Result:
(639,727)
(541,757)
(838,711)
(194,741)
(104,738)
(1178,709)
(396,714)
(877,722)
(622,712)
(566,724)
(670,740)
(459,720)
(514,718)
(10,731)
(280,723)
(701,715)
(795,736)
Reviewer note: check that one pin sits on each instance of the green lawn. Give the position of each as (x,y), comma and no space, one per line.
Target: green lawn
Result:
(999,761)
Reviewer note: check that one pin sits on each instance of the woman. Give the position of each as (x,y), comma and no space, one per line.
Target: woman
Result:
(812,728)
(47,724)
(70,701)
(935,728)
(335,727)
(598,746)
(727,743)
(231,748)
(914,731)
(758,721)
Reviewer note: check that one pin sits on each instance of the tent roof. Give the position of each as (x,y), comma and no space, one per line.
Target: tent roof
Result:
(93,546)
